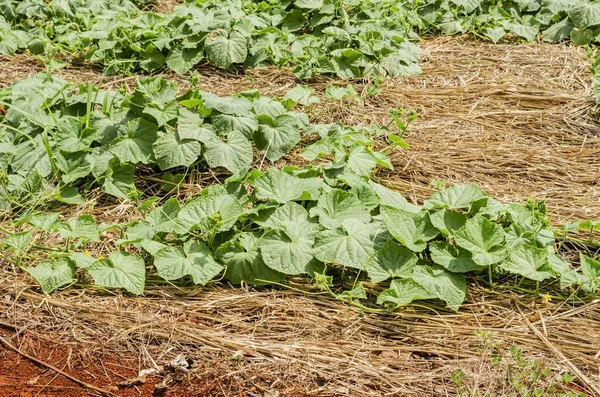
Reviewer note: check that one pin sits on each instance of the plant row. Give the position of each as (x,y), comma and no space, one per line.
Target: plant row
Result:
(344,38)
(320,221)
(57,136)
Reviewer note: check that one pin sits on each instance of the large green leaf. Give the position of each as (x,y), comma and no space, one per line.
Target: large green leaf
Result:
(309,4)
(290,213)
(225,48)
(584,14)
(194,259)
(53,275)
(448,222)
(289,251)
(444,285)
(232,151)
(226,123)
(393,198)
(484,239)
(229,105)
(120,270)
(453,258)
(529,262)
(351,245)
(181,60)
(216,210)
(282,187)
(455,197)
(244,262)
(119,179)
(392,260)
(136,147)
(337,206)
(276,136)
(83,227)
(171,151)
(413,230)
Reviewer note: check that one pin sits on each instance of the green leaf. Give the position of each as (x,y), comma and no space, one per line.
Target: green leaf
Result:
(403,292)
(289,251)
(448,222)
(119,179)
(582,36)
(171,151)
(225,48)
(74,166)
(290,213)
(18,242)
(53,275)
(282,187)
(585,14)
(234,153)
(448,287)
(484,239)
(181,60)
(120,270)
(309,4)
(558,32)
(392,198)
(337,206)
(453,258)
(357,292)
(301,94)
(351,245)
(164,219)
(361,161)
(84,227)
(392,260)
(216,210)
(244,262)
(413,230)
(468,5)
(44,222)
(591,273)
(194,259)
(276,136)
(136,147)
(495,34)
(226,123)
(529,262)
(82,260)
(229,105)
(267,106)
(456,197)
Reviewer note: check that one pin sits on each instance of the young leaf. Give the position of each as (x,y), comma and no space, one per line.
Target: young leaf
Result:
(484,239)
(53,275)
(120,270)
(119,179)
(392,260)
(301,94)
(194,259)
(44,222)
(18,242)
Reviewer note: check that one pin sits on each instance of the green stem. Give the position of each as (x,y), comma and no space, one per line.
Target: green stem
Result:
(490,276)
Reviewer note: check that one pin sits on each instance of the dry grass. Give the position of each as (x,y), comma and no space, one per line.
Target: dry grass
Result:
(517,120)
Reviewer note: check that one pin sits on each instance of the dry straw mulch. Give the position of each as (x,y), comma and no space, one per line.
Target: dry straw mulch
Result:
(516,119)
